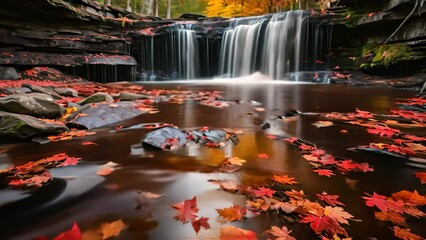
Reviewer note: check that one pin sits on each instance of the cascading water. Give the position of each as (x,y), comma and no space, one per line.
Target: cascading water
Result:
(274,44)
(171,54)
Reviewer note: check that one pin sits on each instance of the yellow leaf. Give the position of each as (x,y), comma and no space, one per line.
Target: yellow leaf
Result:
(112,229)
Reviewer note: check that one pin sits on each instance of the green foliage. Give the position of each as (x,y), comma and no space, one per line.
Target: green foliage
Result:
(374,55)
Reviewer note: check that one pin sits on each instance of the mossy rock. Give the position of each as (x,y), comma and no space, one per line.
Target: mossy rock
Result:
(384,56)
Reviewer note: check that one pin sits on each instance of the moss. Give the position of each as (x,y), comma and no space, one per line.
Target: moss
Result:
(383,56)
(12,126)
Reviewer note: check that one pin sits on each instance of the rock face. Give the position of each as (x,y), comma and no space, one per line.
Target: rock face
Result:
(368,25)
(24,126)
(102,114)
(34,104)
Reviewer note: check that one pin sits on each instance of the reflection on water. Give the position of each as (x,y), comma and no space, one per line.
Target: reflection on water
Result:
(182,174)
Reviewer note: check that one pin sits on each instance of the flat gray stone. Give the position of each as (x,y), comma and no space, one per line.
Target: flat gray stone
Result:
(34,104)
(96,98)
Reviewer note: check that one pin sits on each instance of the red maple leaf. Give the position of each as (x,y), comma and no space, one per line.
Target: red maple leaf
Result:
(201,222)
(415,138)
(285,179)
(36,180)
(264,192)
(291,140)
(88,143)
(187,210)
(323,223)
(382,203)
(324,172)
(383,131)
(263,155)
(330,199)
(363,114)
(421,176)
(305,147)
(73,234)
(69,161)
(364,167)
(405,234)
(347,165)
(327,160)
(318,152)
(234,213)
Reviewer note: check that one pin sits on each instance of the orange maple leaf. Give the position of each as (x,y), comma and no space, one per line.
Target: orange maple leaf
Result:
(234,213)
(284,179)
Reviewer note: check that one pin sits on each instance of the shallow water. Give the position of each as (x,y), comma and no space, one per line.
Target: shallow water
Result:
(78,194)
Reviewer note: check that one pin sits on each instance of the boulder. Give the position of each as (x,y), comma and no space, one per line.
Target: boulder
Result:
(34,104)
(24,126)
(126,96)
(67,92)
(102,114)
(8,73)
(44,90)
(96,98)
(43,73)
(10,91)
(167,138)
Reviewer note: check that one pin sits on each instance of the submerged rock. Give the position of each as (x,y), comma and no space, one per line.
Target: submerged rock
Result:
(96,98)
(166,138)
(102,114)
(34,104)
(24,126)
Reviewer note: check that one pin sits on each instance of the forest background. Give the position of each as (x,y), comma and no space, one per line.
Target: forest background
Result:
(215,8)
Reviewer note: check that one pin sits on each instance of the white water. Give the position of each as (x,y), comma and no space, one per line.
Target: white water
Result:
(187,52)
(277,52)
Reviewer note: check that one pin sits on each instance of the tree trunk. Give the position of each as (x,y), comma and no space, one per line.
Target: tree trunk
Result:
(156,7)
(107,2)
(169,9)
(128,8)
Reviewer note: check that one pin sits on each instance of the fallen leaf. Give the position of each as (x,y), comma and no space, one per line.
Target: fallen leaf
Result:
(187,210)
(112,229)
(324,172)
(105,170)
(411,197)
(280,233)
(234,213)
(263,155)
(200,223)
(323,223)
(382,203)
(391,216)
(88,143)
(236,161)
(235,233)
(259,109)
(405,234)
(330,199)
(73,234)
(262,191)
(421,176)
(344,131)
(285,179)
(320,124)
(337,213)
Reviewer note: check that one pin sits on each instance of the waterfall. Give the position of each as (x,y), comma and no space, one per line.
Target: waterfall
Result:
(272,44)
(172,54)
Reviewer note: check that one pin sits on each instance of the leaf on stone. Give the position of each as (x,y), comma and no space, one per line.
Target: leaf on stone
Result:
(112,229)
(234,213)
(36,180)
(330,199)
(284,179)
(405,234)
(280,233)
(234,233)
(200,223)
(383,131)
(187,210)
(73,234)
(105,170)
(69,161)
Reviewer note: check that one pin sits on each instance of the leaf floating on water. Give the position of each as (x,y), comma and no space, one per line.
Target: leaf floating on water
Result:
(88,143)
(187,210)
(324,172)
(234,213)
(112,229)
(200,223)
(107,168)
(263,155)
(405,234)
(280,233)
(320,124)
(330,199)
(236,161)
(234,233)
(421,176)
(285,179)
(73,234)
